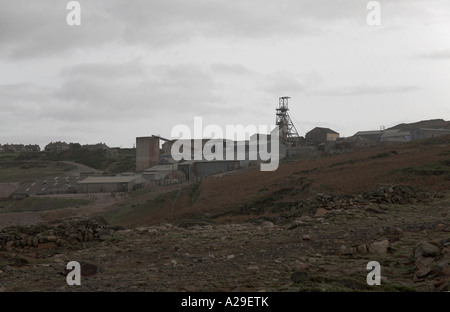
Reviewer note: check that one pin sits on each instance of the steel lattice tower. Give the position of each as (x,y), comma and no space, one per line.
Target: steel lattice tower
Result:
(284,122)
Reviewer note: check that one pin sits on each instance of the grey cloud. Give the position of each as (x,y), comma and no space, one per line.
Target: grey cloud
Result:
(91,92)
(361,90)
(437,55)
(282,83)
(38,28)
(230,69)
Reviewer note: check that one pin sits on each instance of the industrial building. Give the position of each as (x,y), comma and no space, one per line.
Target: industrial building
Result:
(426,133)
(157,164)
(120,183)
(395,136)
(320,135)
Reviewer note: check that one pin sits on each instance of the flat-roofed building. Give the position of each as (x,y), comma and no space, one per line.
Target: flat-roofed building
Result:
(122,183)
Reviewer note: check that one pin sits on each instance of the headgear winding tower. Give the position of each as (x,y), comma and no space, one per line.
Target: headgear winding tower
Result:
(287,130)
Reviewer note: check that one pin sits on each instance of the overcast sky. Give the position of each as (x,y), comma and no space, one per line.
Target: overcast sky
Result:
(137,68)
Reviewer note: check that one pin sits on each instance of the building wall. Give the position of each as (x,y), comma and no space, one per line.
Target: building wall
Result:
(332,136)
(203,169)
(104,187)
(316,136)
(419,134)
(147,152)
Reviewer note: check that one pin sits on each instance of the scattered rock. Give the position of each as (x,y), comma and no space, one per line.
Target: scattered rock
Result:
(426,249)
(43,236)
(294,225)
(320,212)
(362,249)
(306,237)
(89,268)
(302,267)
(394,231)
(379,247)
(267,224)
(424,267)
(51,238)
(299,277)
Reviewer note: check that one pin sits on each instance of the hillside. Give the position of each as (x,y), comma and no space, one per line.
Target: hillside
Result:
(432,123)
(312,225)
(22,166)
(246,194)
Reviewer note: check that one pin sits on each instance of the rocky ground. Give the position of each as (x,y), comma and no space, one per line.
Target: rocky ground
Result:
(320,244)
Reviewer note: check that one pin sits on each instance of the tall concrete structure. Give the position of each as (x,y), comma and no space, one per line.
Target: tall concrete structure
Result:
(147,152)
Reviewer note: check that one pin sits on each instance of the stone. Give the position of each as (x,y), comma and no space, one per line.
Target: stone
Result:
(253,268)
(321,212)
(51,238)
(426,249)
(35,241)
(230,257)
(379,247)
(89,268)
(294,225)
(362,249)
(267,224)
(306,237)
(302,266)
(395,231)
(423,267)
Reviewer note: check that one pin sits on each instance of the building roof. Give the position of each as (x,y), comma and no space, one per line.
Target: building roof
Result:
(433,129)
(7,189)
(371,132)
(395,133)
(327,130)
(170,167)
(114,179)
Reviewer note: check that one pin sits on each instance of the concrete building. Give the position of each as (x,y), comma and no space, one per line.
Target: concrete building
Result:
(203,168)
(164,174)
(121,183)
(147,152)
(396,136)
(63,184)
(425,133)
(320,135)
(368,136)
